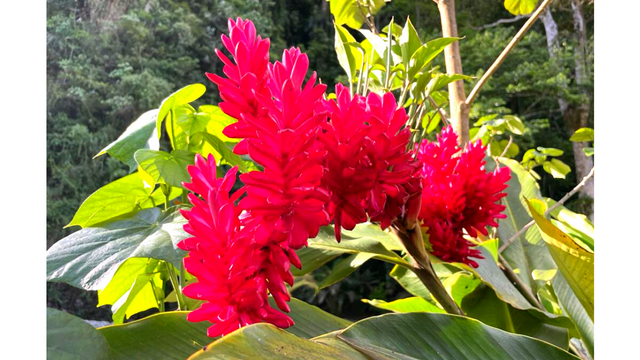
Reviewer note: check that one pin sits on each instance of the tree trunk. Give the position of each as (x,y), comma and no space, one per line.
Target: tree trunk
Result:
(458,110)
(575,115)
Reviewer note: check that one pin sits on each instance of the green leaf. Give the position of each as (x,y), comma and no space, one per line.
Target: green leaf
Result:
(574,310)
(370,245)
(427,52)
(574,262)
(138,135)
(442,80)
(137,285)
(484,305)
(71,338)
(588,151)
(442,336)
(410,282)
(351,13)
(583,134)
(216,120)
(410,304)
(349,57)
(164,167)
(528,251)
(311,321)
(520,7)
(497,148)
(344,268)
(575,225)
(460,285)
(170,336)
(514,124)
(117,198)
(89,258)
(160,336)
(265,341)
(183,96)
(409,42)
(550,151)
(221,152)
(556,168)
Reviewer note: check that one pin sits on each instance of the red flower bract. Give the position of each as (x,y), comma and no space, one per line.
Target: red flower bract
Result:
(246,75)
(278,117)
(368,169)
(458,194)
(221,256)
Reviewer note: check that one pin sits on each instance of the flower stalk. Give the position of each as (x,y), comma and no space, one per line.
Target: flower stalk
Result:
(411,240)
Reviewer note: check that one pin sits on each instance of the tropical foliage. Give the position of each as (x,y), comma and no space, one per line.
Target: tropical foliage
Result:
(328,181)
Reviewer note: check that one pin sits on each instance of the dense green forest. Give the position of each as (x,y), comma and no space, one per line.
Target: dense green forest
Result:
(108,61)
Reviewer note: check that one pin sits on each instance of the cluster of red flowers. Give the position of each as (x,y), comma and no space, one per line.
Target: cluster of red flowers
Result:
(368,170)
(458,195)
(221,256)
(345,160)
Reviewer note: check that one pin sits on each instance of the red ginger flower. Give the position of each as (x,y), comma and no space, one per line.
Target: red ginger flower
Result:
(279,119)
(246,75)
(368,169)
(221,256)
(458,195)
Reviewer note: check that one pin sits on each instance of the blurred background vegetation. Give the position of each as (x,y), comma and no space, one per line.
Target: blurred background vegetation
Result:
(108,61)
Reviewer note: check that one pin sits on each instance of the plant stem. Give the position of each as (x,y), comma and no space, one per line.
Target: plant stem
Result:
(519,284)
(412,241)
(476,89)
(176,286)
(546,213)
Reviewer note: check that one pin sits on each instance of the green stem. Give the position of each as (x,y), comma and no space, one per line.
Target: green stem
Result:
(176,286)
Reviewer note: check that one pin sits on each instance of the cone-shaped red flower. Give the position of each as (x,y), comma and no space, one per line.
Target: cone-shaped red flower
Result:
(221,256)
(458,194)
(246,75)
(368,169)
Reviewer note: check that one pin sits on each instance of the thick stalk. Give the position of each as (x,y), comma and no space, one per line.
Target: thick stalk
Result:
(412,241)
(458,109)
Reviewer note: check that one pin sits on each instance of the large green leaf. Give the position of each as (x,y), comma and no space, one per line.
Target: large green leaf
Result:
(138,135)
(352,14)
(578,226)
(71,338)
(484,305)
(221,152)
(183,96)
(410,304)
(137,285)
(349,57)
(535,322)
(574,262)
(89,258)
(442,336)
(310,321)
(265,341)
(574,310)
(117,198)
(520,7)
(170,336)
(160,336)
(527,252)
(164,167)
(187,121)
